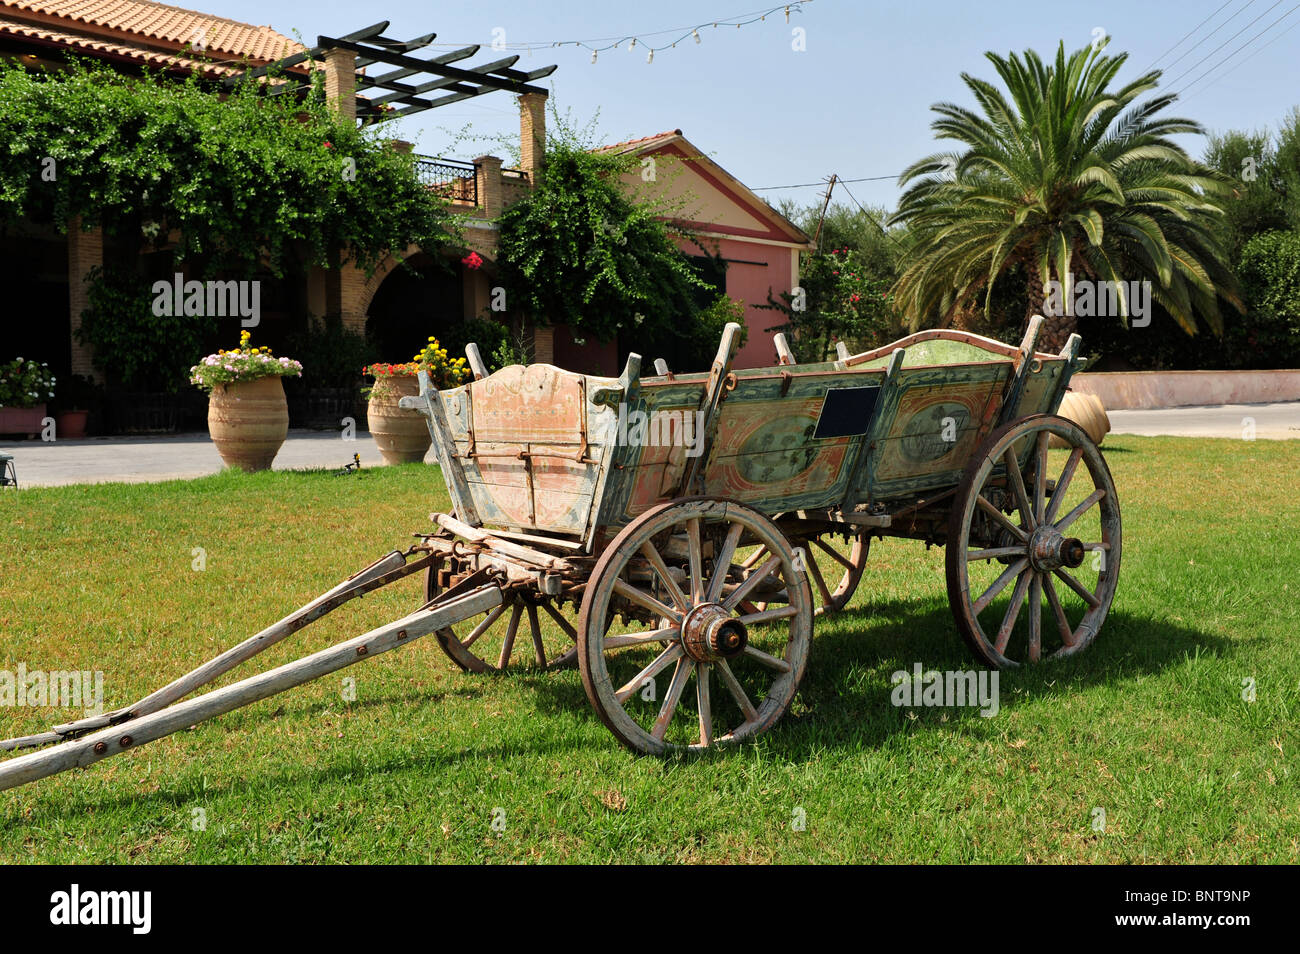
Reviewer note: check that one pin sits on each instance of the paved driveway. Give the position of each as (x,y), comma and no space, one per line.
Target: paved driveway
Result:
(1270,421)
(143,459)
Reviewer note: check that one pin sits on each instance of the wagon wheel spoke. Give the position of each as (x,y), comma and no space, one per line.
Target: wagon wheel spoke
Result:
(493,615)
(1063,483)
(696,558)
(1063,624)
(1085,594)
(767,616)
(768,660)
(535,628)
(1000,584)
(737,693)
(1001,519)
(511,631)
(1036,618)
(722,563)
(834,554)
(1013,611)
(658,665)
(994,552)
(685,667)
(1040,477)
(560,621)
(640,639)
(645,600)
(657,562)
(1084,506)
(703,704)
(754,579)
(1017,481)
(752,560)
(822,588)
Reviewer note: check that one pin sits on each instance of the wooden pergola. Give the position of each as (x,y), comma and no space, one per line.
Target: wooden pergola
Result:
(403,90)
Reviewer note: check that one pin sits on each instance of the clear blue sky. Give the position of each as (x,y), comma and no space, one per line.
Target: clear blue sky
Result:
(856,102)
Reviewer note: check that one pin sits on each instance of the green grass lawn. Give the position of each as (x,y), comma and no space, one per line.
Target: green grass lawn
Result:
(1149,724)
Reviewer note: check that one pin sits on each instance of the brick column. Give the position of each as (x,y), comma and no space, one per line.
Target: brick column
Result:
(85,251)
(543,344)
(532,133)
(487,170)
(352,283)
(341,81)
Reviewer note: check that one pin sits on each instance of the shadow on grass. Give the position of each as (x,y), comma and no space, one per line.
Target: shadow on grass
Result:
(845,698)
(844,701)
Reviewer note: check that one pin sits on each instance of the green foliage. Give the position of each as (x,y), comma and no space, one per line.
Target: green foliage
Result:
(844,298)
(332,356)
(238,181)
(25,383)
(489,335)
(579,250)
(78,393)
(846,289)
(1270,272)
(513,349)
(1066,176)
(135,348)
(706,331)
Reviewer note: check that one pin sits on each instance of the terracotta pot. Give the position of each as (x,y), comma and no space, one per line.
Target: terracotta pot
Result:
(248,422)
(70,425)
(1088,412)
(402,436)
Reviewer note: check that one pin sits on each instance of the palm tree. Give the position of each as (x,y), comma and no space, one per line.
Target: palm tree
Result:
(1067,180)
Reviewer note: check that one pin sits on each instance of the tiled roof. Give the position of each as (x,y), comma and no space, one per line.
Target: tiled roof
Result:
(639,143)
(142,30)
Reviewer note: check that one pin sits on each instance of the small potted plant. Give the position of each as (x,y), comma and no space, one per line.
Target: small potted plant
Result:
(78,396)
(248,418)
(402,436)
(25,386)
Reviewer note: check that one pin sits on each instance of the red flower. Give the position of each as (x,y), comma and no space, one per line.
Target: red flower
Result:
(472,260)
(328,145)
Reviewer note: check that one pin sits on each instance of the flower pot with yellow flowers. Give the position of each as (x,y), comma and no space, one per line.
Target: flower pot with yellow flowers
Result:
(248,418)
(402,435)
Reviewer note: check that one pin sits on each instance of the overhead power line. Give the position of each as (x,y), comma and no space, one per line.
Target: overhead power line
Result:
(1276,3)
(1189,33)
(1221,62)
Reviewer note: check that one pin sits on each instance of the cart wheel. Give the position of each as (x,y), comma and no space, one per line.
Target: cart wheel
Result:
(675,567)
(1010,522)
(490,643)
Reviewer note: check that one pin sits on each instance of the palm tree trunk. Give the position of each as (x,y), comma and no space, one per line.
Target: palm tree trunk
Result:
(1056,328)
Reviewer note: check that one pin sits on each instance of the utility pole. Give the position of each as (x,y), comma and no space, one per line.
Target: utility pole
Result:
(817,239)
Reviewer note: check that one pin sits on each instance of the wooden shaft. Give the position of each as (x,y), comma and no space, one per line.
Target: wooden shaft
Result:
(116,739)
(327,602)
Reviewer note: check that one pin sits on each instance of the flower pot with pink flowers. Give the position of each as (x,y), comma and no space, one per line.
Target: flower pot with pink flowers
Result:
(248,417)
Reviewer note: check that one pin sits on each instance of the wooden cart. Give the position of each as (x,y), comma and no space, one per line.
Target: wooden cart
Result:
(675,536)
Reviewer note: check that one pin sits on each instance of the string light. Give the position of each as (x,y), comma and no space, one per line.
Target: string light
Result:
(601,44)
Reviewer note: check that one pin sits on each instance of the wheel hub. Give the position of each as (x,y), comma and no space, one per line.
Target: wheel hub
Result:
(711,633)
(1049,549)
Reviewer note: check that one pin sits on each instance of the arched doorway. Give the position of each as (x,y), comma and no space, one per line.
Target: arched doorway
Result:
(412,303)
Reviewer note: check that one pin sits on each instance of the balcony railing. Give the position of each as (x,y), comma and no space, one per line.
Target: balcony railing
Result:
(454,181)
(457,181)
